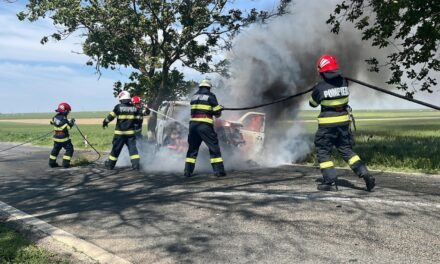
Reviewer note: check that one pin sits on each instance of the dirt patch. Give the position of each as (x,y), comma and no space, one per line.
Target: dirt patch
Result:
(79,121)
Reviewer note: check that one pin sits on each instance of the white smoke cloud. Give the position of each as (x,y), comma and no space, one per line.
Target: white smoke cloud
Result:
(278,59)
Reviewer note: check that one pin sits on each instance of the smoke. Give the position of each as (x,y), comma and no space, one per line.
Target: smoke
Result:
(268,62)
(278,59)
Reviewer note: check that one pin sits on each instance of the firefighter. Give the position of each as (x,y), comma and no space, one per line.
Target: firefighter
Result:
(61,126)
(334,125)
(204,107)
(127,117)
(144,111)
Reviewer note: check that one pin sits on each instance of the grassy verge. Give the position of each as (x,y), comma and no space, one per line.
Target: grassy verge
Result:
(16,132)
(99,114)
(397,145)
(394,145)
(16,249)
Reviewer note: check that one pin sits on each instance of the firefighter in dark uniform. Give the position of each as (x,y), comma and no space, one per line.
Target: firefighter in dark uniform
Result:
(61,126)
(204,107)
(144,111)
(127,116)
(334,125)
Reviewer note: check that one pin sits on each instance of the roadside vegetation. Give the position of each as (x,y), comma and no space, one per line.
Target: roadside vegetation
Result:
(48,116)
(393,144)
(17,132)
(14,248)
(411,145)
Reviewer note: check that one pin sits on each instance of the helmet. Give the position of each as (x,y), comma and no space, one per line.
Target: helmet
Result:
(327,63)
(63,107)
(124,95)
(205,83)
(136,100)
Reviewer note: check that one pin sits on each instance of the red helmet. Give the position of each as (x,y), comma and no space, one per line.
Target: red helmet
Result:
(136,100)
(327,63)
(63,107)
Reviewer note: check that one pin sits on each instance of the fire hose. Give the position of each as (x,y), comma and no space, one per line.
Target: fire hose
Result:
(84,137)
(50,132)
(29,141)
(393,94)
(168,117)
(348,78)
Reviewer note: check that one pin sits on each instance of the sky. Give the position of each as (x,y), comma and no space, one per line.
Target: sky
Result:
(35,77)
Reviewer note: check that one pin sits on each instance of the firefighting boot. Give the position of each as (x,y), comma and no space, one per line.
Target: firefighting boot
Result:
(135,164)
(370,182)
(66,164)
(189,169)
(361,170)
(219,169)
(110,165)
(330,178)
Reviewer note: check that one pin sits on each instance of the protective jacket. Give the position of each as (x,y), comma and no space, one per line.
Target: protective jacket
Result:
(332,94)
(140,122)
(128,118)
(204,106)
(61,127)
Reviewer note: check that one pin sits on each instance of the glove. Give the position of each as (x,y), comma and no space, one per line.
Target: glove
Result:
(104,124)
(72,121)
(147,111)
(51,122)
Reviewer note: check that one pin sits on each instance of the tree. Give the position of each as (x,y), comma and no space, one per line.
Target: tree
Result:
(411,28)
(150,36)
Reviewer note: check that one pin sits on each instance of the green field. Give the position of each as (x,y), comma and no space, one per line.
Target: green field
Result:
(398,145)
(14,248)
(17,132)
(100,114)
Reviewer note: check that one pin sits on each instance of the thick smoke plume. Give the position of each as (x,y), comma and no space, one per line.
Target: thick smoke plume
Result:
(278,59)
(271,61)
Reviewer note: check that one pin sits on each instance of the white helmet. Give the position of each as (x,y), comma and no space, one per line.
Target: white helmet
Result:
(205,83)
(124,95)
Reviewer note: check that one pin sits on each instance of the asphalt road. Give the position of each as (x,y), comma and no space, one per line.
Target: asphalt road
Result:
(266,215)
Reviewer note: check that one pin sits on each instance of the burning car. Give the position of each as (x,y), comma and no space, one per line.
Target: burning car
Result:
(246,134)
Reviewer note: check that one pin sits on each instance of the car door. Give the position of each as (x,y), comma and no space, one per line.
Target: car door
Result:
(254,125)
(161,122)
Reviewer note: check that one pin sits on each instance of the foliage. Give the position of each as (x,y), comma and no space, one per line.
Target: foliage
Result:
(15,249)
(151,36)
(410,28)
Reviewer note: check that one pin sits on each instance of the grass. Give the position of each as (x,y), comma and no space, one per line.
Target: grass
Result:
(98,114)
(16,132)
(397,145)
(14,248)
(394,145)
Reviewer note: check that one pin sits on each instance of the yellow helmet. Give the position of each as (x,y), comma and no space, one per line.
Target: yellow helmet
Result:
(205,83)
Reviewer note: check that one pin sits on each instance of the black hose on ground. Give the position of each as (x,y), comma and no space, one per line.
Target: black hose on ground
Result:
(26,142)
(91,145)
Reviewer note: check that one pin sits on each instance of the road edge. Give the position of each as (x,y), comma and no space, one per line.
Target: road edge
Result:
(39,230)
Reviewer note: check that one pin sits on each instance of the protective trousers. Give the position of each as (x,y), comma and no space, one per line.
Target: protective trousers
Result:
(203,132)
(339,136)
(57,146)
(118,143)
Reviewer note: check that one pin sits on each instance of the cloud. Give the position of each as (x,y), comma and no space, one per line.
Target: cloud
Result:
(39,88)
(20,40)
